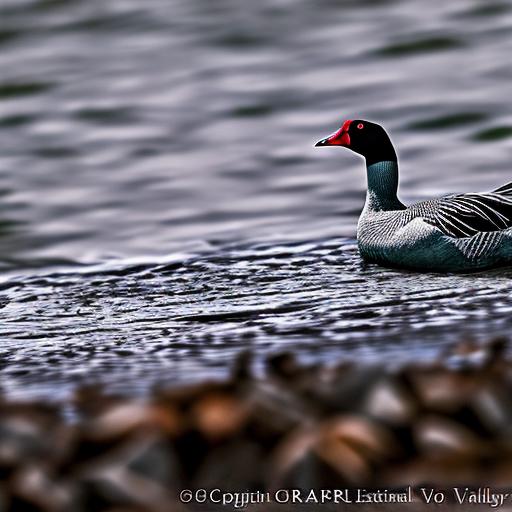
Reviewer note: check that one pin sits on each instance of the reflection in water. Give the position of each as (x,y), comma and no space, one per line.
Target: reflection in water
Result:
(133,130)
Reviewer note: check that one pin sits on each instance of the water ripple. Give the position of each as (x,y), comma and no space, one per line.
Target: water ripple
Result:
(188,318)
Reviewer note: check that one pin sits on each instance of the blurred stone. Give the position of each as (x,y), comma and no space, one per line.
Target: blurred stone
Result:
(32,485)
(391,402)
(492,404)
(236,465)
(284,365)
(241,370)
(276,410)
(437,436)
(125,418)
(142,472)
(309,426)
(336,392)
(370,438)
(441,390)
(351,446)
(31,433)
(92,400)
(294,464)
(218,416)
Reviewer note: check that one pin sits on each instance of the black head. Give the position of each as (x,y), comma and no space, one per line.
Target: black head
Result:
(365,138)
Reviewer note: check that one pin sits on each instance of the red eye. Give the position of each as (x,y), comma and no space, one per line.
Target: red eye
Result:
(360,126)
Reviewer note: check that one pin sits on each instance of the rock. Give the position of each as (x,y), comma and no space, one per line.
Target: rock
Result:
(32,433)
(445,423)
(126,418)
(351,446)
(143,472)
(440,390)
(33,487)
(391,402)
(437,436)
(219,415)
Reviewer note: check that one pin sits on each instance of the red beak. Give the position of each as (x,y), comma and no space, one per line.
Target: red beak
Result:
(339,138)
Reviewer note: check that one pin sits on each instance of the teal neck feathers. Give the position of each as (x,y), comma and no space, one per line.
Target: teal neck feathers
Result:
(383,186)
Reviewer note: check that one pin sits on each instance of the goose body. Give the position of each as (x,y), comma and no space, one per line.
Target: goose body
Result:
(461,232)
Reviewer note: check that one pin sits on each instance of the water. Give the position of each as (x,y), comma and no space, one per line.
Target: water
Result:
(162,205)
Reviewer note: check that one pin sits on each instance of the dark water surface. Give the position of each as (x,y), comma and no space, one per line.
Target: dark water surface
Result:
(162,205)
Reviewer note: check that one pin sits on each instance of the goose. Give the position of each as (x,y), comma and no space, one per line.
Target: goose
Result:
(455,233)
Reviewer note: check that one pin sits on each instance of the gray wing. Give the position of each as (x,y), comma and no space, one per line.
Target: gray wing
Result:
(465,215)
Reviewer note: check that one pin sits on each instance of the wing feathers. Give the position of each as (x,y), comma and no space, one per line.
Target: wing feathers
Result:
(465,215)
